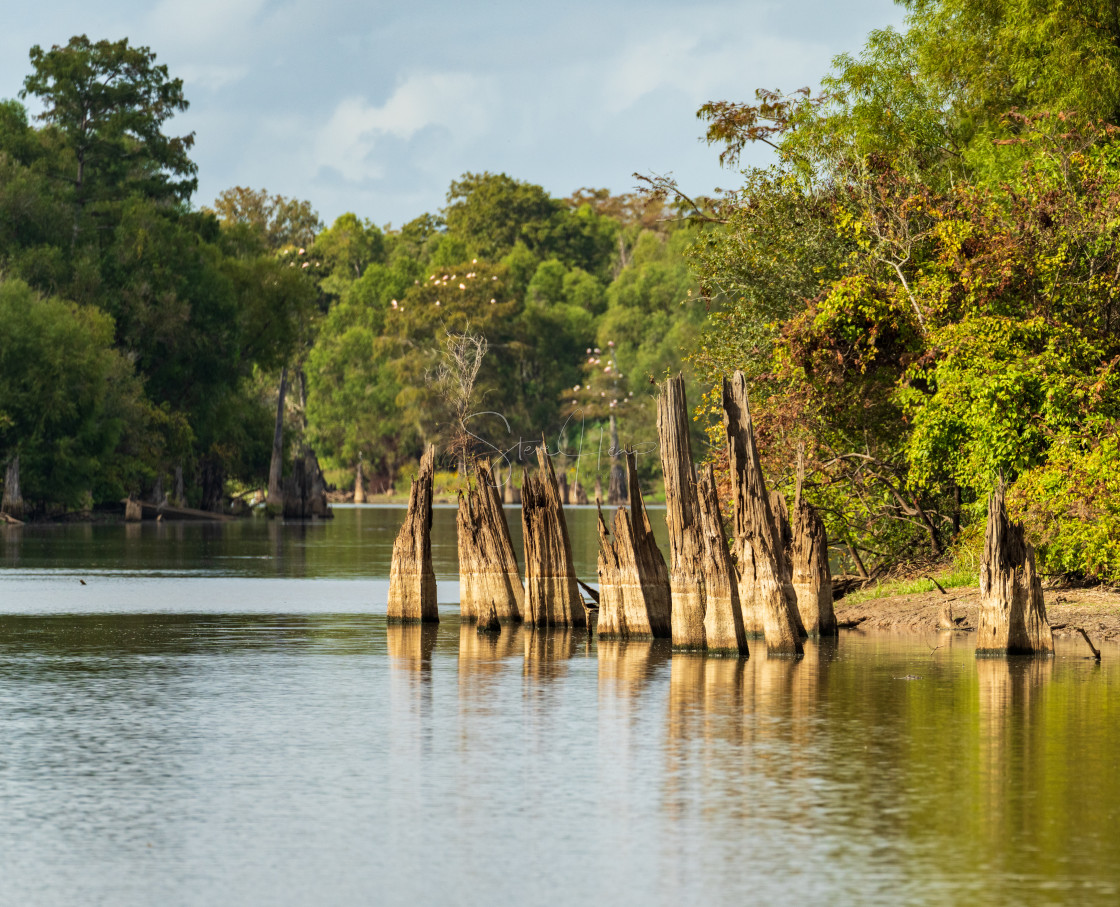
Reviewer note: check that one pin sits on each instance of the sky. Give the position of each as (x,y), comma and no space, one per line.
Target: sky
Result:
(375,108)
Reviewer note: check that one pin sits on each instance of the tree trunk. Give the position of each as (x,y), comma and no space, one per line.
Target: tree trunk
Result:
(275,471)
(412,581)
(511,494)
(682,514)
(551,595)
(812,578)
(488,574)
(634,598)
(598,491)
(577,494)
(783,535)
(12,502)
(724,633)
(1012,611)
(562,487)
(133,512)
(765,605)
(616,489)
(359,485)
(305,492)
(857,560)
(212,478)
(179,494)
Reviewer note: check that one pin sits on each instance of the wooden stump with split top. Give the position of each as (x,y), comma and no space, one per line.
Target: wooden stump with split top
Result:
(810,573)
(551,594)
(762,597)
(724,633)
(682,514)
(783,546)
(1012,611)
(634,599)
(412,582)
(488,573)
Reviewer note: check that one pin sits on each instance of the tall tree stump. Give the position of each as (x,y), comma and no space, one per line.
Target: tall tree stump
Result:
(810,573)
(783,540)
(682,514)
(488,573)
(764,601)
(133,510)
(12,502)
(724,633)
(551,595)
(305,491)
(616,489)
(412,581)
(577,494)
(359,485)
(1012,611)
(634,598)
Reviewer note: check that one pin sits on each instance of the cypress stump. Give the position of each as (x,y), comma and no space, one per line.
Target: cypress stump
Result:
(762,597)
(724,633)
(412,582)
(810,573)
(783,543)
(634,599)
(488,573)
(551,595)
(1012,611)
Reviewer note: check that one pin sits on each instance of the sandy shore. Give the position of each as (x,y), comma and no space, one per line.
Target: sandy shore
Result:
(1096,610)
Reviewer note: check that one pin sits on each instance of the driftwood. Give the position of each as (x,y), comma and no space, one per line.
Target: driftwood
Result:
(634,600)
(810,573)
(723,616)
(551,596)
(1012,611)
(412,582)
(1096,652)
(488,574)
(764,602)
(682,514)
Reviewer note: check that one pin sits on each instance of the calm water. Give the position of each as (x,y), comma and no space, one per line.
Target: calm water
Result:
(221,716)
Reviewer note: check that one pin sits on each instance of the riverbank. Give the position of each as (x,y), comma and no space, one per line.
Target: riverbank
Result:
(1096,610)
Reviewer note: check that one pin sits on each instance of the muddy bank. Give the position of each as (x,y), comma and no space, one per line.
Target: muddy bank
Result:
(1096,610)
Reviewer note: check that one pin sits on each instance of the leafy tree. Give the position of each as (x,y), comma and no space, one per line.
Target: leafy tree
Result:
(276,221)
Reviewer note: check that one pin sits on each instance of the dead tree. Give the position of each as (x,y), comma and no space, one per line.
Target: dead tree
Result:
(359,485)
(682,514)
(412,581)
(488,575)
(455,378)
(783,539)
(12,502)
(764,602)
(551,595)
(810,573)
(724,633)
(634,599)
(1012,611)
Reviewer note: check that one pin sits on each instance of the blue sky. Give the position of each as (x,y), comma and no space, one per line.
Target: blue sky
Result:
(375,108)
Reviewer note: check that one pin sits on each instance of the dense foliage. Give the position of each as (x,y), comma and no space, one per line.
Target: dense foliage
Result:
(924,288)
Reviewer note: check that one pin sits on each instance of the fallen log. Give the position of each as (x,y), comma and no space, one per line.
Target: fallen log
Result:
(764,601)
(488,572)
(1012,611)
(412,581)
(551,595)
(634,598)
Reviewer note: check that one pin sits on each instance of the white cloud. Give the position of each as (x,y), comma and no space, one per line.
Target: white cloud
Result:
(460,103)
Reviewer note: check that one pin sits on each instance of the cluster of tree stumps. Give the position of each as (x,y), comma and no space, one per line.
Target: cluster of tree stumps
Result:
(772,581)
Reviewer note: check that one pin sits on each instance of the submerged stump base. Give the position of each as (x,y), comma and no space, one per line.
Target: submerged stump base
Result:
(488,574)
(412,581)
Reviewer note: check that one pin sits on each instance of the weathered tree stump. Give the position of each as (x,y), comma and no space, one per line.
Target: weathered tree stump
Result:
(511,494)
(634,598)
(598,490)
(359,485)
(783,538)
(133,511)
(810,573)
(562,487)
(577,494)
(305,491)
(682,514)
(412,581)
(488,573)
(723,617)
(764,602)
(551,595)
(1012,611)
(12,502)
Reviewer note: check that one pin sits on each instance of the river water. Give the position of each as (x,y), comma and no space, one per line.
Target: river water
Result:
(220,715)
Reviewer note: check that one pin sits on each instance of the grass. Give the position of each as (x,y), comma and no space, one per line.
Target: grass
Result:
(952,577)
